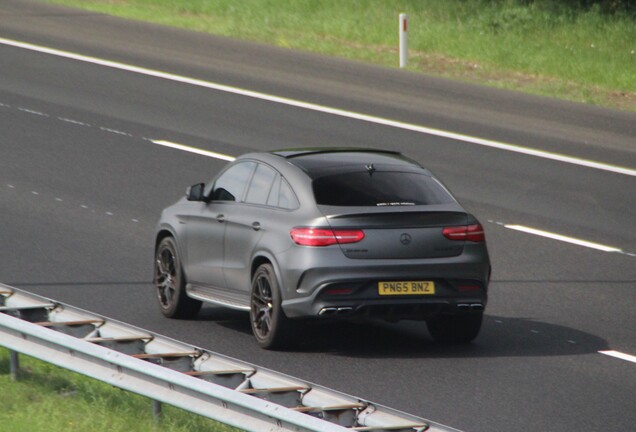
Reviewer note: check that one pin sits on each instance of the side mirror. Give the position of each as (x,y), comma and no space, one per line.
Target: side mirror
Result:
(195,192)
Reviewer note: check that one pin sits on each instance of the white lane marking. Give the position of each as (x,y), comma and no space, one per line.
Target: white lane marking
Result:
(619,355)
(114,131)
(563,238)
(75,122)
(325,109)
(84,206)
(193,150)
(30,111)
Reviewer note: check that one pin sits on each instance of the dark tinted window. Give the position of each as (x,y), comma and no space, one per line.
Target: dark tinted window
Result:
(379,189)
(260,185)
(231,184)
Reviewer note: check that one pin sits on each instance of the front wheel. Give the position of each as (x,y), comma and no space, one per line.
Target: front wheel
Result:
(170,283)
(455,329)
(271,328)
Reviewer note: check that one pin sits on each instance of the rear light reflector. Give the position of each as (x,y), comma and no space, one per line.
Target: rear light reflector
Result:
(467,288)
(324,237)
(474,233)
(338,291)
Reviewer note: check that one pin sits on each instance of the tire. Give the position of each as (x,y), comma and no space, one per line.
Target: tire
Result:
(271,328)
(455,329)
(170,283)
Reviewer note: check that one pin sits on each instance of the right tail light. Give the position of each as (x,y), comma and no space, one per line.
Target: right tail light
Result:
(473,233)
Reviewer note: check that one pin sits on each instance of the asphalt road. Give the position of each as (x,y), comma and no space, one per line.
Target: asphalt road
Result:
(82,185)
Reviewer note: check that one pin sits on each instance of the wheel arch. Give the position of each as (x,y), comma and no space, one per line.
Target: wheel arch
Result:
(162,233)
(266,258)
(165,232)
(160,236)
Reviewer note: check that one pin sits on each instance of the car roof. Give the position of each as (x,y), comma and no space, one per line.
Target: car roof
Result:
(319,161)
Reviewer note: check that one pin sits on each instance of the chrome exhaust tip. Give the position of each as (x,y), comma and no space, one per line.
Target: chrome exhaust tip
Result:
(328,311)
(342,310)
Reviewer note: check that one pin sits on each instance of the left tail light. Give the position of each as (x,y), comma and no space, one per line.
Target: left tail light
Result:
(325,237)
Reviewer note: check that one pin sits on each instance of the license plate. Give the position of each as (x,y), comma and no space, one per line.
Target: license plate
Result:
(406,288)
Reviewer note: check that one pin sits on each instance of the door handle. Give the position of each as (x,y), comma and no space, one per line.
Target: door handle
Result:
(220,218)
(256,226)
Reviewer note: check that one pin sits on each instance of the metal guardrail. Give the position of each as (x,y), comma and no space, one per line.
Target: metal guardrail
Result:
(230,391)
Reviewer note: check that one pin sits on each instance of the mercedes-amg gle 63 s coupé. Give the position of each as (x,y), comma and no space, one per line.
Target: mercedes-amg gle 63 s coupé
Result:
(324,234)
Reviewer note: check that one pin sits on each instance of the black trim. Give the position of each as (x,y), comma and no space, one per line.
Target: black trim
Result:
(296,152)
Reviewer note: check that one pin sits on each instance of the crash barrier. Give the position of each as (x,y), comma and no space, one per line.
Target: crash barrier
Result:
(230,391)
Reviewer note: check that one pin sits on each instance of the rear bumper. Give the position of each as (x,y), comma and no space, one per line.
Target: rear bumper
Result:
(364,302)
(391,310)
(348,288)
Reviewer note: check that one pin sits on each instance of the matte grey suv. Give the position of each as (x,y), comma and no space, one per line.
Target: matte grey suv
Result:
(323,234)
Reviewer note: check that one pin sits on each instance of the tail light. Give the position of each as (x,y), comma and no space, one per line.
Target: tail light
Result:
(474,233)
(324,237)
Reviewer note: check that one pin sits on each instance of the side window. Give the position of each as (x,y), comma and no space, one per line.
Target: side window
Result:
(282,195)
(286,197)
(273,194)
(260,185)
(232,183)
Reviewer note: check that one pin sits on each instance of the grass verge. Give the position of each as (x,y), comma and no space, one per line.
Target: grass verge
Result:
(575,50)
(51,399)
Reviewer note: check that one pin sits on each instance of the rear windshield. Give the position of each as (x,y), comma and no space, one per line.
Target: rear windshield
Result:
(381,189)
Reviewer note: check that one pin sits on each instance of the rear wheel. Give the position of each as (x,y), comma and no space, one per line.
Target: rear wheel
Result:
(455,329)
(271,328)
(170,283)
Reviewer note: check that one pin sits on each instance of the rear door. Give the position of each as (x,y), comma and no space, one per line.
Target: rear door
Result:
(245,225)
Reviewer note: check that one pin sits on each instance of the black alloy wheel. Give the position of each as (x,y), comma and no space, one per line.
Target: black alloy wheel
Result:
(271,328)
(170,283)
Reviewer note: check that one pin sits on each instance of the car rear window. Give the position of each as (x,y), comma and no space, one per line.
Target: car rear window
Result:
(380,188)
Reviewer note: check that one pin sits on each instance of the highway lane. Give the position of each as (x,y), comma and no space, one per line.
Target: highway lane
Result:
(553,305)
(539,122)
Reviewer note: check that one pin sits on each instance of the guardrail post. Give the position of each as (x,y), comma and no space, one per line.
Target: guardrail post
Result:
(14,365)
(156,411)
(404,51)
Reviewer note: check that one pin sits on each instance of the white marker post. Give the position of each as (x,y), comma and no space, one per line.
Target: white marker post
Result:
(404,53)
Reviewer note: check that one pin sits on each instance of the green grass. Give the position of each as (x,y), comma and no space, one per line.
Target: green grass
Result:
(550,47)
(50,399)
